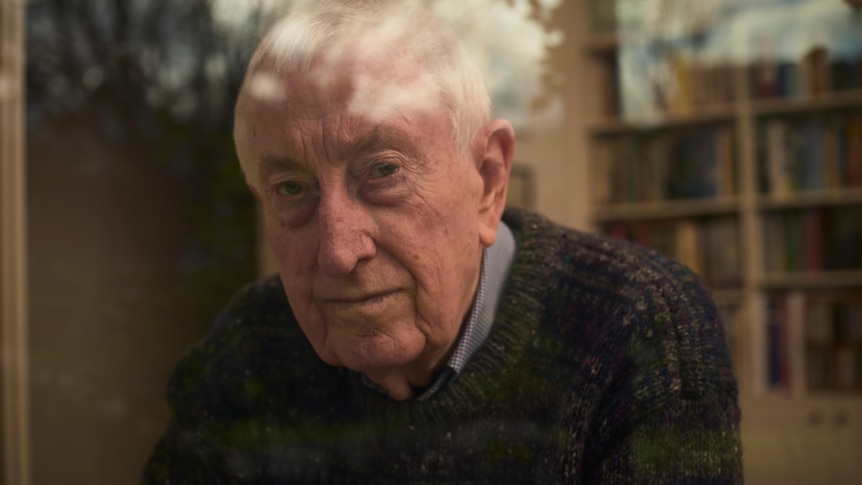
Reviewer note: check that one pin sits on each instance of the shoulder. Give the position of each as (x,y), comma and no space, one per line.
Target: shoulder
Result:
(595,259)
(258,313)
(254,357)
(600,269)
(638,315)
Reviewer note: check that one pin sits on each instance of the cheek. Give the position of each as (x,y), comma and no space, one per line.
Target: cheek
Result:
(295,213)
(295,255)
(444,262)
(289,243)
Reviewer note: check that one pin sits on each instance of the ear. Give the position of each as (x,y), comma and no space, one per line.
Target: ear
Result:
(494,148)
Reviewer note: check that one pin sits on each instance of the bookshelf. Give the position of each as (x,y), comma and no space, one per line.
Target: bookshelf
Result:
(747,168)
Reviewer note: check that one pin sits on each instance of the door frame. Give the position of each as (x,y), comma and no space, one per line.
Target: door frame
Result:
(14,380)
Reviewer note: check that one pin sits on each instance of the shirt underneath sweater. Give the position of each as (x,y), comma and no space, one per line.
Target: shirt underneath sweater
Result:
(606,363)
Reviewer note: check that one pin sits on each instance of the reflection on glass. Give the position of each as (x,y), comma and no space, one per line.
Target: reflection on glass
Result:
(677,56)
(140,226)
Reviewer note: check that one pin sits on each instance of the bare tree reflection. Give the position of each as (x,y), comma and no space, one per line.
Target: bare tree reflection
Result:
(140,224)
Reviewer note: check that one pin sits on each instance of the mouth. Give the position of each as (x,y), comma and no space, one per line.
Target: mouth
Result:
(363,312)
(361,298)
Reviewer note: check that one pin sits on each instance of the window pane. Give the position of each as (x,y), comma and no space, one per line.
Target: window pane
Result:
(140,225)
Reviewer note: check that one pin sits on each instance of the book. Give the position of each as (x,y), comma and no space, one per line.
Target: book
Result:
(709,246)
(688,247)
(829,154)
(853,151)
(842,238)
(787,83)
(794,354)
(724,146)
(682,88)
(777,158)
(602,163)
(816,72)
(776,340)
(812,232)
(832,336)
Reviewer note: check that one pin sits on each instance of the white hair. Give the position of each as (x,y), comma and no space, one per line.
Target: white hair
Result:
(318,31)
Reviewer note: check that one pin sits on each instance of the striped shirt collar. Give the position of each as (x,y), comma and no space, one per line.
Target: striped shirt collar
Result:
(496,262)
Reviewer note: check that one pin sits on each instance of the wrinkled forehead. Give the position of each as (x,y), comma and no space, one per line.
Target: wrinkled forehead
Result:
(368,76)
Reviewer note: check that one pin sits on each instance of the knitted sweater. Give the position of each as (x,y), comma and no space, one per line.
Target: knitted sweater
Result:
(606,364)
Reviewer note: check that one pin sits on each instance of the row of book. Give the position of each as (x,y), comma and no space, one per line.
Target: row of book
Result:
(680,82)
(811,153)
(691,86)
(709,246)
(833,319)
(813,74)
(814,340)
(659,166)
(813,239)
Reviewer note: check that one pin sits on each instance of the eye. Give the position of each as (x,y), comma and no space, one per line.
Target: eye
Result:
(383,170)
(290,189)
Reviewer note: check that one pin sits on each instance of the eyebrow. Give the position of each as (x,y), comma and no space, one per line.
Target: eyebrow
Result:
(269,164)
(380,135)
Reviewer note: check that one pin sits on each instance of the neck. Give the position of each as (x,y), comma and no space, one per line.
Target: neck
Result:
(403,385)
(397,387)
(408,382)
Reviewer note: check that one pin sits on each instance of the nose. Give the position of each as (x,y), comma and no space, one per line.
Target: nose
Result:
(345,234)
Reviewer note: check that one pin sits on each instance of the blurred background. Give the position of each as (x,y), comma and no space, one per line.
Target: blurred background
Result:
(725,133)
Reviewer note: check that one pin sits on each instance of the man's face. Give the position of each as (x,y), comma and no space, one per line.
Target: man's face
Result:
(373,222)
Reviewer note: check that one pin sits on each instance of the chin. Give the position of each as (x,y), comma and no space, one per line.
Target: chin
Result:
(375,353)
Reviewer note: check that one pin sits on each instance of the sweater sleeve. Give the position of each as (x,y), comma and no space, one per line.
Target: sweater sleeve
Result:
(687,441)
(243,403)
(180,457)
(208,393)
(670,413)
(193,447)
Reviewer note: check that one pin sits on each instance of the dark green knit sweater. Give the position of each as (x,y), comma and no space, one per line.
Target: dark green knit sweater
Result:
(606,364)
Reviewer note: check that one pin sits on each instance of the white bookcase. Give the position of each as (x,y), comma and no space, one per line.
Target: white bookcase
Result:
(750,172)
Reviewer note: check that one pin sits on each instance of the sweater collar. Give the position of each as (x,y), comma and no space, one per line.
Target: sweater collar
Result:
(496,263)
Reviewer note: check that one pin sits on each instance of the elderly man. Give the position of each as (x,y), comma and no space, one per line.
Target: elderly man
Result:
(412,335)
